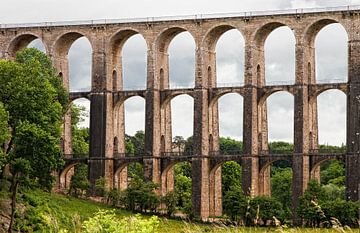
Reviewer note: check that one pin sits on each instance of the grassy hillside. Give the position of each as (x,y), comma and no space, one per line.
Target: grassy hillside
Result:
(38,208)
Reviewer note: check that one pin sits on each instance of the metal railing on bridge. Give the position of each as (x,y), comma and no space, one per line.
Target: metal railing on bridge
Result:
(76,156)
(195,17)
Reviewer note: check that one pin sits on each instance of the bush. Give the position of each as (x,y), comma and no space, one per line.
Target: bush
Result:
(79,182)
(235,204)
(100,187)
(345,211)
(140,196)
(170,200)
(105,221)
(263,209)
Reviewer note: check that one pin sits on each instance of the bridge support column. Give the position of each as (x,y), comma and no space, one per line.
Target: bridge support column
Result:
(200,164)
(353,122)
(101,119)
(62,66)
(250,161)
(254,75)
(120,177)
(215,182)
(300,160)
(152,169)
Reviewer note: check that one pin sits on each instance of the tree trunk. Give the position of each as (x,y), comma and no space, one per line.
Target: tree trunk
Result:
(14,185)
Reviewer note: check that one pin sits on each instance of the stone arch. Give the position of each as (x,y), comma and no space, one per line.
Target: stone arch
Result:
(172,96)
(121,177)
(262,33)
(21,41)
(213,35)
(161,47)
(63,43)
(216,98)
(167,177)
(118,40)
(215,72)
(315,27)
(165,37)
(66,174)
(263,98)
(316,167)
(215,188)
(265,175)
(116,45)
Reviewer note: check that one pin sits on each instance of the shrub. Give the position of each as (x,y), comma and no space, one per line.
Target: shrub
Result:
(345,211)
(105,221)
(235,203)
(170,200)
(140,196)
(263,209)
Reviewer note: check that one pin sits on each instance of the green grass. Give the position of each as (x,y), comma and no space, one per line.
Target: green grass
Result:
(67,209)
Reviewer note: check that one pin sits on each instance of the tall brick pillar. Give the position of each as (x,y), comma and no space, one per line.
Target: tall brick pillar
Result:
(301,163)
(250,161)
(262,134)
(101,117)
(353,120)
(61,64)
(152,119)
(120,177)
(309,76)
(215,188)
(167,182)
(200,164)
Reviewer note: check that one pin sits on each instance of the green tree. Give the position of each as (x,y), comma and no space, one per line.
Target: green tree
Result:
(179,143)
(4,136)
(36,101)
(230,146)
(79,181)
(333,172)
(281,188)
(230,175)
(308,208)
(140,196)
(235,204)
(182,190)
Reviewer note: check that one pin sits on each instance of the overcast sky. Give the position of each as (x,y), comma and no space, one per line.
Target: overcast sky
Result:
(331,59)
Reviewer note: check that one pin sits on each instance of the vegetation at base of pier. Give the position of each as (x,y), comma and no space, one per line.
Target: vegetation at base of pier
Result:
(50,212)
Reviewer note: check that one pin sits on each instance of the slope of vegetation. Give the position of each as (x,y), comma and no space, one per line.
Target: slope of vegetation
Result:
(51,212)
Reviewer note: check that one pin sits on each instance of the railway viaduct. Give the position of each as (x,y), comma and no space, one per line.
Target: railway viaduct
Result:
(107,148)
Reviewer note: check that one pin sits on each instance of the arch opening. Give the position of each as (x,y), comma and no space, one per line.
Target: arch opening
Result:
(128,173)
(134,63)
(230,59)
(280,118)
(38,44)
(278,183)
(224,179)
(280,57)
(331,64)
(80,65)
(176,179)
(181,61)
(182,118)
(230,109)
(23,41)
(331,106)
